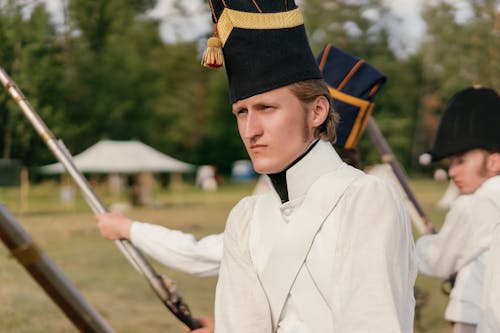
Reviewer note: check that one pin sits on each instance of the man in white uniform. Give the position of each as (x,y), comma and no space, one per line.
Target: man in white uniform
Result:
(353,84)
(329,248)
(468,134)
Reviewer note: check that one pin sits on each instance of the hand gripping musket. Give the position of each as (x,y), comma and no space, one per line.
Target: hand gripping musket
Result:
(49,277)
(163,286)
(353,84)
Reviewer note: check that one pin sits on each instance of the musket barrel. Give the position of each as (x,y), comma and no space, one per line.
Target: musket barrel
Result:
(56,147)
(49,277)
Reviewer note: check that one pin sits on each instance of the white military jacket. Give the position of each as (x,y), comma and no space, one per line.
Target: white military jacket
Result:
(337,257)
(462,246)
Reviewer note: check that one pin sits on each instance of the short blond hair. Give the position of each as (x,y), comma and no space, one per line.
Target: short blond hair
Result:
(307,91)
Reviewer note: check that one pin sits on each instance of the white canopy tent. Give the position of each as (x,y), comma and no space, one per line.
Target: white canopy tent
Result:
(125,157)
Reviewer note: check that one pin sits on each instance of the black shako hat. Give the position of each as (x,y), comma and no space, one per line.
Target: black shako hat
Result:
(352,83)
(264,44)
(471,119)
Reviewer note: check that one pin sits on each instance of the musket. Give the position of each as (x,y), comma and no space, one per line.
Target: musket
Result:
(49,277)
(163,286)
(420,221)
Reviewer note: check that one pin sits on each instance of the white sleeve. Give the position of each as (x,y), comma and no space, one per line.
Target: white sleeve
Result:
(178,250)
(376,268)
(490,320)
(466,233)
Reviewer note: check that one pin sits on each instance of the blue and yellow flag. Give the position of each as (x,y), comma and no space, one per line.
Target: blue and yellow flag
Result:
(353,84)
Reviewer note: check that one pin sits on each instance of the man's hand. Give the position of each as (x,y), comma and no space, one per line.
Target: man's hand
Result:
(207,326)
(114,226)
(429,228)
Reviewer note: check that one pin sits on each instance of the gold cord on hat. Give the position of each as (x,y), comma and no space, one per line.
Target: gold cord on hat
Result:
(230,19)
(213,57)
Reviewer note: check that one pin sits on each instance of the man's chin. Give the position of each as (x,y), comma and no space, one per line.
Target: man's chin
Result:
(465,190)
(263,168)
(260,170)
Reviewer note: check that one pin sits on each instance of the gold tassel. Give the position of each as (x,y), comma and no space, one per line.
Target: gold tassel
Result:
(213,56)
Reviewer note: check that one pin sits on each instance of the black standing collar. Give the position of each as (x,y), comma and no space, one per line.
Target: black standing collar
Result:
(279,179)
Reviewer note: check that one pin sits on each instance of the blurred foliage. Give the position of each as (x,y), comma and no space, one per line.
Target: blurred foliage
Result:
(106,73)
(361,28)
(458,51)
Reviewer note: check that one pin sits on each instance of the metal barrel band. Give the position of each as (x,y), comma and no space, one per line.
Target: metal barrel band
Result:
(9,84)
(18,99)
(27,254)
(388,158)
(46,136)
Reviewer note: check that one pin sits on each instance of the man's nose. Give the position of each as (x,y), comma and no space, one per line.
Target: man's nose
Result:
(252,127)
(452,170)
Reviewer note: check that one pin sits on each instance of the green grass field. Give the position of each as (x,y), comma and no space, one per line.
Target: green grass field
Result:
(68,235)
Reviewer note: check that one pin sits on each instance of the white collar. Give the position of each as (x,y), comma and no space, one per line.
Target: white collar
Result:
(491,184)
(320,160)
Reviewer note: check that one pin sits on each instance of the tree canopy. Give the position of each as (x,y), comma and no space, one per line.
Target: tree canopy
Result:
(107,74)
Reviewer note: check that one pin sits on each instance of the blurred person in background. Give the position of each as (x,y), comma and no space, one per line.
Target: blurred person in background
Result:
(468,135)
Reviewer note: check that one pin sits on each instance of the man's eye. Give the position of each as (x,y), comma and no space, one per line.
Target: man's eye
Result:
(456,161)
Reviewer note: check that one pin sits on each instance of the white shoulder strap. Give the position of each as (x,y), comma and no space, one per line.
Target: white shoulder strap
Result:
(312,307)
(292,246)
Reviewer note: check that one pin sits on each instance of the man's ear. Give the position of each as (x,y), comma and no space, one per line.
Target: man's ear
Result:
(320,110)
(493,163)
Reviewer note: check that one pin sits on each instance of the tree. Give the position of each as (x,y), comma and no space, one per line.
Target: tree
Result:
(30,53)
(221,143)
(457,53)
(362,28)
